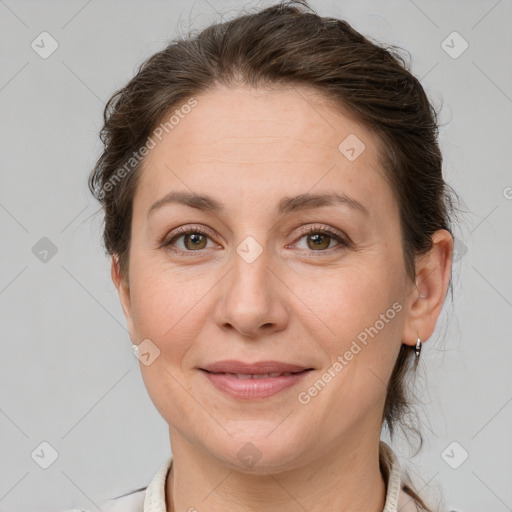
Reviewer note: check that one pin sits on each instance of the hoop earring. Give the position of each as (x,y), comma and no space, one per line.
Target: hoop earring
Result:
(418,348)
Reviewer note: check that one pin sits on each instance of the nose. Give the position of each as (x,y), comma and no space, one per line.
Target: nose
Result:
(252,298)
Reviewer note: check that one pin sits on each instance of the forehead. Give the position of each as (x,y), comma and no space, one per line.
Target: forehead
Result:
(258,143)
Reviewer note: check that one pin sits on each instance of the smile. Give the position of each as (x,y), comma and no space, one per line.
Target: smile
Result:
(249,386)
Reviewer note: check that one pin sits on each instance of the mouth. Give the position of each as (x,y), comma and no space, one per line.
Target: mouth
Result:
(248,381)
(245,376)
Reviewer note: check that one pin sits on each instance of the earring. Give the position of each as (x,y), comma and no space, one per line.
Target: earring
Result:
(418,348)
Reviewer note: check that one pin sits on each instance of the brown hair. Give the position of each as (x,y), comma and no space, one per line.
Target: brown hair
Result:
(288,44)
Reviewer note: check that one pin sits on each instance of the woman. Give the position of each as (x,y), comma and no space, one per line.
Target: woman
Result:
(280,237)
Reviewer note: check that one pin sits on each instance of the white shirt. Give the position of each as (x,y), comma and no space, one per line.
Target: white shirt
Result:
(152,498)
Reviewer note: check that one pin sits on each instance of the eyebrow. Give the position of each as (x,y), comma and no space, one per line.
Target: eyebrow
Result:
(286,204)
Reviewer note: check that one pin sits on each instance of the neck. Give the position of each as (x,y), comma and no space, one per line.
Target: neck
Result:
(346,478)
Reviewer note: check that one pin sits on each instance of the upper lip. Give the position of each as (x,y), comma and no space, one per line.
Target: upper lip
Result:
(258,368)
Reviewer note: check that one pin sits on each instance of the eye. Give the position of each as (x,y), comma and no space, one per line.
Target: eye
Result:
(194,239)
(318,239)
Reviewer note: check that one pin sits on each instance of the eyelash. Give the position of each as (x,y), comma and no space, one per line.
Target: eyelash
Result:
(342,241)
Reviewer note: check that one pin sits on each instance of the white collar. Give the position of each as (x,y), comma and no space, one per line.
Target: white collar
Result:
(154,495)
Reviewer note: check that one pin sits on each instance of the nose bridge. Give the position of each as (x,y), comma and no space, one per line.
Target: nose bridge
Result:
(249,298)
(250,280)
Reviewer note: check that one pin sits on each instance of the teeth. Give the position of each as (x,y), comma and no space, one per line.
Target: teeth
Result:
(243,376)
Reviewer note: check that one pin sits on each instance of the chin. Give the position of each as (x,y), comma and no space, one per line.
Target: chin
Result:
(257,452)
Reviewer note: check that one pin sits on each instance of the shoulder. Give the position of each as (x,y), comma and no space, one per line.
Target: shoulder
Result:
(399,496)
(406,502)
(132,502)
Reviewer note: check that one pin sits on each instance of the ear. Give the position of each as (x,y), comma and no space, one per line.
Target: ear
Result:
(123,290)
(426,299)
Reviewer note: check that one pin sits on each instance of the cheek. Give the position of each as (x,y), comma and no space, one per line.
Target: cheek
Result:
(361,309)
(168,305)
(360,312)
(367,316)
(348,300)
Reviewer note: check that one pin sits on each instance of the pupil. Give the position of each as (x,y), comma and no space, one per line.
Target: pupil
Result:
(194,240)
(319,240)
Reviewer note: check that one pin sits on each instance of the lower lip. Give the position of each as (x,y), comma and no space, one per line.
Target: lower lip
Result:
(253,388)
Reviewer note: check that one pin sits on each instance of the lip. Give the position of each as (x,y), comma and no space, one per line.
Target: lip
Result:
(223,375)
(233,366)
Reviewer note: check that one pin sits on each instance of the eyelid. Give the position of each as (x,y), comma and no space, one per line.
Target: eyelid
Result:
(339,236)
(314,228)
(333,233)
(184,230)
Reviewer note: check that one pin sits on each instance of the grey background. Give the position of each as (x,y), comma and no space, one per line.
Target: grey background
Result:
(68,375)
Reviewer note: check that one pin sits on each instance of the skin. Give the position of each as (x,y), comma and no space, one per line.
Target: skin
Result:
(295,303)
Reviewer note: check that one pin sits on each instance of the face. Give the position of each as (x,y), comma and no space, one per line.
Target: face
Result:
(316,284)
